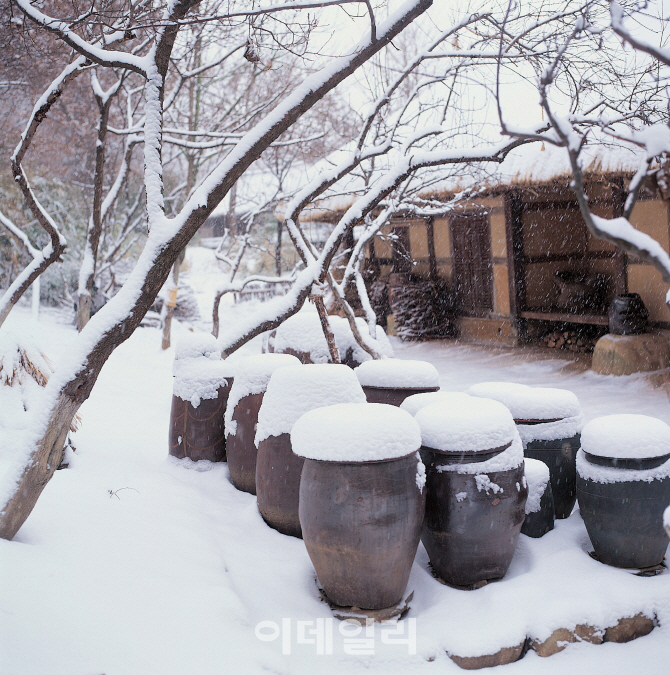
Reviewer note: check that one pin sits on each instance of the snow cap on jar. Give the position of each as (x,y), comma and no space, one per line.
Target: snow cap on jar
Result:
(355,432)
(398,373)
(412,404)
(251,377)
(530,403)
(466,425)
(537,477)
(293,391)
(197,345)
(626,437)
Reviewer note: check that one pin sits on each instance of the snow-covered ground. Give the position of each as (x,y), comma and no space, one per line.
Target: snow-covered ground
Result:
(132,563)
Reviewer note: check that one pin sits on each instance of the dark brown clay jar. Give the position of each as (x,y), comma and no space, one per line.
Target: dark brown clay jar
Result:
(361,523)
(199,433)
(393,395)
(469,533)
(240,447)
(278,472)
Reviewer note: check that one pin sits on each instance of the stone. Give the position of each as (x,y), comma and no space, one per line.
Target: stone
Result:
(561,637)
(629,628)
(500,658)
(628,354)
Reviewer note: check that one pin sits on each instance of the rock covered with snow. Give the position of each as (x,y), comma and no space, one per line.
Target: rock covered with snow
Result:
(537,477)
(303,333)
(466,424)
(398,373)
(412,404)
(536,403)
(199,372)
(293,391)
(626,437)
(355,432)
(252,375)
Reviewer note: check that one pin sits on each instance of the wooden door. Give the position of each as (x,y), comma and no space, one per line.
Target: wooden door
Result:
(472,269)
(402,259)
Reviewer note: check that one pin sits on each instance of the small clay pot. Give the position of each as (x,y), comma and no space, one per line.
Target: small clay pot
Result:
(560,456)
(361,523)
(199,433)
(241,449)
(278,472)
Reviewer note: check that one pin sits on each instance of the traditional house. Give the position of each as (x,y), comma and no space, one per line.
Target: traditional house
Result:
(519,259)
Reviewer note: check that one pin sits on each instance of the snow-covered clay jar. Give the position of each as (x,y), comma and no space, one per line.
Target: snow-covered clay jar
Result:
(549,423)
(291,393)
(302,336)
(362,500)
(202,383)
(475,489)
(623,487)
(540,503)
(393,380)
(246,396)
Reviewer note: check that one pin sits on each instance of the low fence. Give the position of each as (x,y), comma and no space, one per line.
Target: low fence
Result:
(261,293)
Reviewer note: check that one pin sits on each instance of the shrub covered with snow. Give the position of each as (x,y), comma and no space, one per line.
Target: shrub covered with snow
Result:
(412,404)
(252,375)
(303,333)
(293,391)
(466,424)
(537,477)
(398,373)
(355,432)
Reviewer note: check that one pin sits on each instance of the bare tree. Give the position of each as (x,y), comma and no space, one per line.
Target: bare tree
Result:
(72,384)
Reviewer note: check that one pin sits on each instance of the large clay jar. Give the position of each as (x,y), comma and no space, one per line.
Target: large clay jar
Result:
(549,423)
(540,503)
(292,392)
(200,393)
(361,500)
(623,487)
(302,336)
(393,380)
(252,375)
(475,489)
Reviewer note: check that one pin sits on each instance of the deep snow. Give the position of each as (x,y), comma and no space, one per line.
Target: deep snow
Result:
(132,563)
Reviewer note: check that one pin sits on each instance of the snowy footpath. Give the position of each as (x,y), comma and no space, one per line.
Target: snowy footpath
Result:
(133,563)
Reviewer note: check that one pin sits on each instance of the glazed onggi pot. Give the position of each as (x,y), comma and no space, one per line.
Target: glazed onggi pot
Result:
(391,381)
(549,422)
(246,395)
(540,503)
(623,487)
(362,500)
(291,392)
(201,387)
(475,489)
